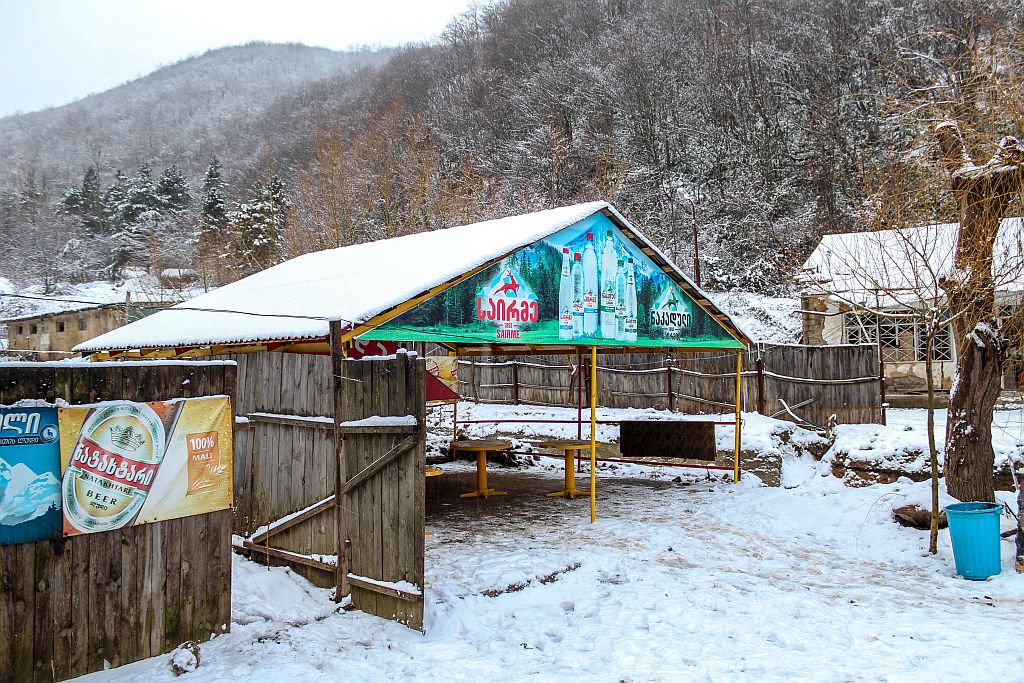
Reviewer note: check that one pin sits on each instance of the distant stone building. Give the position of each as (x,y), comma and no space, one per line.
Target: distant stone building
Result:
(49,335)
(855,285)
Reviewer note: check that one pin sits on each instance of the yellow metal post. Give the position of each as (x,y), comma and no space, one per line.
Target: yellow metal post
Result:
(593,434)
(736,455)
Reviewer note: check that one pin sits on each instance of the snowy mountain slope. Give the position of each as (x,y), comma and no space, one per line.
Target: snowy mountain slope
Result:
(33,500)
(13,478)
(224,102)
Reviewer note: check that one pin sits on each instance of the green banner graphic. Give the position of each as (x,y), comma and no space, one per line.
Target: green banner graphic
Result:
(586,285)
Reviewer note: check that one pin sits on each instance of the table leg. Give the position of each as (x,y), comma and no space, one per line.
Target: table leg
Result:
(570,490)
(482,491)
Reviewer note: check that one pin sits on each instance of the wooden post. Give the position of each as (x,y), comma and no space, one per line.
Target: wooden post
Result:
(515,382)
(472,380)
(881,379)
(759,365)
(671,399)
(341,473)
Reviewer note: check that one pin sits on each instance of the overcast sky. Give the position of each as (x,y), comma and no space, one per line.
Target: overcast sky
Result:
(56,51)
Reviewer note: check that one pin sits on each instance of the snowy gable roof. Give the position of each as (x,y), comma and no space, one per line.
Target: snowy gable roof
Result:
(906,259)
(294,301)
(35,302)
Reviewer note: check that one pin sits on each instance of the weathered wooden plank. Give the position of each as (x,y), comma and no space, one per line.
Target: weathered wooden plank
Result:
(44,617)
(392,402)
(189,578)
(125,627)
(98,550)
(378,429)
(412,493)
(173,617)
(360,526)
(322,529)
(300,497)
(80,591)
(392,594)
(8,619)
(63,621)
(206,577)
(314,422)
(24,611)
(220,579)
(372,502)
(111,580)
(289,555)
(155,579)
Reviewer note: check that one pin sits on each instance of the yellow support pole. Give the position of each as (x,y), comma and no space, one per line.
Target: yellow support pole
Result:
(593,434)
(736,455)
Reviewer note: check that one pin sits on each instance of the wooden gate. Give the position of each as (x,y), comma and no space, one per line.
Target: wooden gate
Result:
(380,408)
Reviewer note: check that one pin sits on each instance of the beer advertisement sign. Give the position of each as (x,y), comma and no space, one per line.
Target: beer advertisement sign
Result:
(128,463)
(29,475)
(585,285)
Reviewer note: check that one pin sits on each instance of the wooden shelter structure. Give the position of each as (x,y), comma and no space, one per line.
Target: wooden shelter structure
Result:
(528,284)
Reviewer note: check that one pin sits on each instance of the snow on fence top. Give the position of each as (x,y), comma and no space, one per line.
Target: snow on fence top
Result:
(295,300)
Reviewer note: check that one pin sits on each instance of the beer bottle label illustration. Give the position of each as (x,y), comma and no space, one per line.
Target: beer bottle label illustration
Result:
(113,465)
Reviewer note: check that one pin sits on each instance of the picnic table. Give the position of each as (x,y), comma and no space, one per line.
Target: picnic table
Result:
(570,447)
(482,447)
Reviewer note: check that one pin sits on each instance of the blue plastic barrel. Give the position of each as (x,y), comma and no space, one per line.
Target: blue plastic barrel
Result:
(974,531)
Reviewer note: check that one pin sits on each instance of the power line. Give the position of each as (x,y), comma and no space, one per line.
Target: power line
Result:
(171,308)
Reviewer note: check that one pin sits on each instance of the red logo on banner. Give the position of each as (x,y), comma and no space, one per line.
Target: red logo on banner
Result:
(361,348)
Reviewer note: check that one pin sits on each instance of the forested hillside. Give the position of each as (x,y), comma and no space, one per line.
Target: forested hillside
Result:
(759,121)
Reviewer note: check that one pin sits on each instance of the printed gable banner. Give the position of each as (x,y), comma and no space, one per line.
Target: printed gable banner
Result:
(586,285)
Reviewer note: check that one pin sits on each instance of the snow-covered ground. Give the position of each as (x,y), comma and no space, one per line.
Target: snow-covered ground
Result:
(903,441)
(690,579)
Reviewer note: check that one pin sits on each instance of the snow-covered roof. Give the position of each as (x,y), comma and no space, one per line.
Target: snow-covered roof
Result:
(34,301)
(768,319)
(295,300)
(913,259)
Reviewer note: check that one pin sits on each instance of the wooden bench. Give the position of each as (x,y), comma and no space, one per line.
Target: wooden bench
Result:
(662,439)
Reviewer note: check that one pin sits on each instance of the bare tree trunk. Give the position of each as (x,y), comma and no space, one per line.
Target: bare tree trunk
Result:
(984,193)
(969,458)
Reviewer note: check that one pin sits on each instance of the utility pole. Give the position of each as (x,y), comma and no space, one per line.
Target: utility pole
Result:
(693,226)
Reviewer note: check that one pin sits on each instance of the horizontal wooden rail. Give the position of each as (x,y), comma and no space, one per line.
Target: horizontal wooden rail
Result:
(810,380)
(378,464)
(287,555)
(292,420)
(291,520)
(378,429)
(362,582)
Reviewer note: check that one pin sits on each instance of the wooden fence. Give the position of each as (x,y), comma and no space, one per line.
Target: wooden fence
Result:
(73,605)
(381,488)
(285,462)
(816,382)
